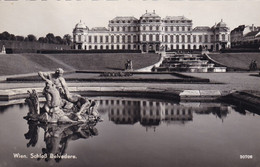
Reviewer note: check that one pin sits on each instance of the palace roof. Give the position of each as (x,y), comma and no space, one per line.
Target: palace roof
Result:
(99,29)
(202,29)
(124,18)
(176,18)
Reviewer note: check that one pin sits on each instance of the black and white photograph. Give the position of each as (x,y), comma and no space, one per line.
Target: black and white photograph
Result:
(129,83)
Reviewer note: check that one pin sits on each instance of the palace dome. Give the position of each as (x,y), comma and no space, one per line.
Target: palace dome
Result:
(80,25)
(221,24)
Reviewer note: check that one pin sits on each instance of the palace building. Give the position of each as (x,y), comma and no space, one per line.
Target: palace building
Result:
(151,33)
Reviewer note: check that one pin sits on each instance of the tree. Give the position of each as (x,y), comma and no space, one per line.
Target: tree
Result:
(51,38)
(12,37)
(5,36)
(31,38)
(58,40)
(19,38)
(42,40)
(67,39)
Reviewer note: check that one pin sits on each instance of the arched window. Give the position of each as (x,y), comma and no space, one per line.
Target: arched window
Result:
(117,39)
(157,37)
(95,47)
(129,38)
(150,37)
(112,39)
(194,47)
(117,47)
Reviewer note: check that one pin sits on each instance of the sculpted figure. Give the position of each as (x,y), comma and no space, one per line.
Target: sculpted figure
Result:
(60,84)
(61,106)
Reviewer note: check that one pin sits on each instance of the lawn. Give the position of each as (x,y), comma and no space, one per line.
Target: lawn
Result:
(236,60)
(29,63)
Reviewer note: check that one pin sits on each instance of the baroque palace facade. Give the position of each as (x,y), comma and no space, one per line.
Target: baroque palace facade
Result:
(151,33)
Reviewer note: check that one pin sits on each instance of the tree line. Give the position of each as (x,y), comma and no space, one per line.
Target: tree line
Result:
(49,38)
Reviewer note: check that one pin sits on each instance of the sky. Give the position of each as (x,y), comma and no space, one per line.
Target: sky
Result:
(39,17)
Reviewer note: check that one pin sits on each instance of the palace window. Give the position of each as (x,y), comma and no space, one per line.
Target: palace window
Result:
(117,47)
(206,38)
(177,39)
(183,28)
(150,37)
(177,28)
(211,38)
(171,38)
(166,28)
(183,38)
(134,38)
(188,38)
(123,38)
(112,39)
(144,37)
(123,29)
(95,39)
(194,38)
(171,28)
(217,37)
(151,28)
(166,38)
(157,37)
(107,47)
(117,28)
(223,37)
(157,28)
(79,38)
(89,39)
(129,47)
(112,28)
(129,38)
(101,39)
(129,28)
(200,38)
(117,39)
(106,39)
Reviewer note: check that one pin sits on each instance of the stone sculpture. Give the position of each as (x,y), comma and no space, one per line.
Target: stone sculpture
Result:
(60,106)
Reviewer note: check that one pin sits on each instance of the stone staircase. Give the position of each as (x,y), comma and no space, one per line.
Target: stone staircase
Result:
(188,63)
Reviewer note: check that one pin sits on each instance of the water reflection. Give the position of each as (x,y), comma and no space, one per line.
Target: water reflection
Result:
(153,113)
(57,137)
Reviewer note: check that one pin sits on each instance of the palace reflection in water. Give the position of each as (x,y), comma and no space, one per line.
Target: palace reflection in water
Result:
(152,113)
(186,131)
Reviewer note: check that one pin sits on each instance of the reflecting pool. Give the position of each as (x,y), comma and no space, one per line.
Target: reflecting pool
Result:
(135,133)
